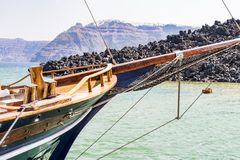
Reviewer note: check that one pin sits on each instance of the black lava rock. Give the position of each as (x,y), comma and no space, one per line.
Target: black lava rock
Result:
(217,69)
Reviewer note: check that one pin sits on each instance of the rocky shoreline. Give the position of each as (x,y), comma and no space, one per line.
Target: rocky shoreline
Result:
(222,68)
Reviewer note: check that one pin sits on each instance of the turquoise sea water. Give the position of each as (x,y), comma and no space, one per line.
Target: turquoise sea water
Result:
(11,71)
(209,131)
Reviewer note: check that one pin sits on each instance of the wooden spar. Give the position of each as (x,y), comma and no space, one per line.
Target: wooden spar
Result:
(138,64)
(142,63)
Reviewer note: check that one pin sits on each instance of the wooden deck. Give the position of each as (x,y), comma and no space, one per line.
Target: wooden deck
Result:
(89,87)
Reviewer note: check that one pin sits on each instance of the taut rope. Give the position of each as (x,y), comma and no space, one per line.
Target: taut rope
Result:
(98,29)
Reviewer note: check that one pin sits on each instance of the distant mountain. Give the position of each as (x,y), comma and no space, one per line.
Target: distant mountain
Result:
(79,38)
(16,50)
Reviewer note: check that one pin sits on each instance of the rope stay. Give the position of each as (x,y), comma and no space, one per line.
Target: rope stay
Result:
(130,142)
(123,115)
(170,64)
(157,128)
(178,117)
(230,13)
(100,33)
(179,59)
(20,80)
(202,93)
(157,79)
(126,112)
(12,125)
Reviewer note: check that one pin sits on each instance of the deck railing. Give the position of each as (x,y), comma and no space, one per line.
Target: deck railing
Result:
(103,75)
(53,73)
(87,79)
(71,70)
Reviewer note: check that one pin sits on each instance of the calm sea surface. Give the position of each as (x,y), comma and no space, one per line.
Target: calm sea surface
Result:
(209,131)
(11,71)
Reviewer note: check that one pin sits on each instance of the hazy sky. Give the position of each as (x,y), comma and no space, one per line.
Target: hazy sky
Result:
(44,19)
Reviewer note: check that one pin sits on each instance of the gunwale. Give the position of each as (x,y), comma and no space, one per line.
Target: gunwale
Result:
(79,96)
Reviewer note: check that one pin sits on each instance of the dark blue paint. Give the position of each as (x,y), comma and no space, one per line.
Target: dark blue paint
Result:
(124,79)
(69,137)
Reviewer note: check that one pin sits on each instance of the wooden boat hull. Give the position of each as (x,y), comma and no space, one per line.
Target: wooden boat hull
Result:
(45,143)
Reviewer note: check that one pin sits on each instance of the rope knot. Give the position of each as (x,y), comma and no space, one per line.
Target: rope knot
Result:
(179,55)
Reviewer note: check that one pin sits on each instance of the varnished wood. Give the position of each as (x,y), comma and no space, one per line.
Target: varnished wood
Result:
(52,72)
(77,94)
(89,85)
(33,92)
(45,90)
(3,110)
(88,79)
(35,128)
(150,61)
(138,64)
(109,76)
(52,88)
(82,95)
(102,79)
(36,74)
(12,102)
(111,73)
(13,87)
(9,108)
(26,98)
(50,102)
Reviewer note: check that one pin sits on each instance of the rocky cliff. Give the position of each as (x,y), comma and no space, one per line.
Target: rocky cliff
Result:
(16,50)
(79,39)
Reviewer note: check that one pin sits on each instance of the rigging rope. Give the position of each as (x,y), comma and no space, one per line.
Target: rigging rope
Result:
(231,14)
(98,29)
(184,66)
(132,88)
(173,62)
(23,78)
(125,113)
(202,93)
(157,128)
(221,71)
(126,144)
(12,125)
